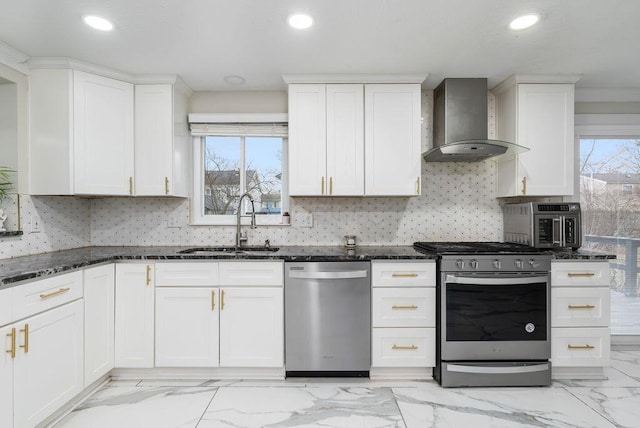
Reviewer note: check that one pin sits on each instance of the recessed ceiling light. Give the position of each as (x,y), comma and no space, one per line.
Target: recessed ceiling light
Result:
(300,21)
(98,23)
(234,80)
(524,21)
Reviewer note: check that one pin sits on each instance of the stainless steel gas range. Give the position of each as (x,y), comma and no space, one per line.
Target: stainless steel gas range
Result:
(492,315)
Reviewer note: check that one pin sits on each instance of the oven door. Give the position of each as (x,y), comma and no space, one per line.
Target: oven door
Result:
(495,317)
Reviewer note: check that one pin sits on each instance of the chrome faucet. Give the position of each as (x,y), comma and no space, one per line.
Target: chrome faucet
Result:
(240,237)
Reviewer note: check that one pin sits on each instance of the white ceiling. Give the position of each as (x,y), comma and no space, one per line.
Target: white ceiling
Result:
(205,40)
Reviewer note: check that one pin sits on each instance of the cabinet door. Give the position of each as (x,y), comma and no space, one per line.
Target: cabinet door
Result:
(543,123)
(103,135)
(135,294)
(251,327)
(345,140)
(6,374)
(392,140)
(153,140)
(99,312)
(307,140)
(48,368)
(187,324)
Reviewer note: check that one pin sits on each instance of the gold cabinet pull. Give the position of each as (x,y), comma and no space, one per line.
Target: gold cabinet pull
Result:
(166,185)
(412,347)
(148,280)
(25,330)
(581,346)
(331,185)
(404,307)
(524,185)
(12,335)
(322,185)
(580,306)
(54,293)
(418,186)
(222,300)
(131,185)
(213,300)
(404,275)
(587,274)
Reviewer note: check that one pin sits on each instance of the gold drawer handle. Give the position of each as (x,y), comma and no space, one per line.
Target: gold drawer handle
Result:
(580,347)
(131,185)
(404,307)
(54,293)
(166,185)
(12,335)
(25,330)
(571,275)
(412,347)
(404,275)
(148,280)
(581,306)
(222,300)
(213,300)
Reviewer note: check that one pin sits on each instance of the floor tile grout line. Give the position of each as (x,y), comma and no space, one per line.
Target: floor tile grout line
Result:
(606,417)
(204,412)
(395,399)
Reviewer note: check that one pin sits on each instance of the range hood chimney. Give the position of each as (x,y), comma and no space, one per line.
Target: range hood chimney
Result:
(460,124)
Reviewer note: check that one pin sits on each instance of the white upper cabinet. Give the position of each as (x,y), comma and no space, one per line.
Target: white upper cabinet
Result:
(326,143)
(538,116)
(354,139)
(81,128)
(162,143)
(392,139)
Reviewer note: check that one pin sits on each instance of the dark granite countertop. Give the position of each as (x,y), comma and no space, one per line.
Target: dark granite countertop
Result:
(29,267)
(39,265)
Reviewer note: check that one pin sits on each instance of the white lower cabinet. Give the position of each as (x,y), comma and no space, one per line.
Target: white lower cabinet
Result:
(251,327)
(403,314)
(48,366)
(134,315)
(229,314)
(187,325)
(580,318)
(99,312)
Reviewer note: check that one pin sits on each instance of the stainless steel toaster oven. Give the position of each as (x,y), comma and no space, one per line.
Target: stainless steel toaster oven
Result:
(543,224)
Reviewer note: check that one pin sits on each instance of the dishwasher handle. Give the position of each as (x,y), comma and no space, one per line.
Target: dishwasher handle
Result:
(348,274)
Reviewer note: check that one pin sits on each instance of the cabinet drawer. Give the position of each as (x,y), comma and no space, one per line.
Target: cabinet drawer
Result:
(403,274)
(404,307)
(403,347)
(580,274)
(580,347)
(6,306)
(38,296)
(253,273)
(580,307)
(188,274)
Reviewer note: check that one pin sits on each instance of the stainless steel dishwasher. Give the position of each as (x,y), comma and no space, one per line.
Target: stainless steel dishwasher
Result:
(327,318)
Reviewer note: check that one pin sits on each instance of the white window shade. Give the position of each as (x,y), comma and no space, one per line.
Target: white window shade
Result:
(250,125)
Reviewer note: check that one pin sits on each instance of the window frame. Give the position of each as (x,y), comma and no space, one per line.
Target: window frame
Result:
(199,133)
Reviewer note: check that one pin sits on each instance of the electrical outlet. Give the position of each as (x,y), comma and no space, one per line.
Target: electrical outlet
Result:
(304,219)
(35,224)
(173,220)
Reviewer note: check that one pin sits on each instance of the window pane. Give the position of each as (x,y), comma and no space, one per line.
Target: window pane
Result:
(263,157)
(610,200)
(222,175)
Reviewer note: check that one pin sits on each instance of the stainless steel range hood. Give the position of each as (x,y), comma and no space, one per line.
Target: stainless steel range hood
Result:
(460,124)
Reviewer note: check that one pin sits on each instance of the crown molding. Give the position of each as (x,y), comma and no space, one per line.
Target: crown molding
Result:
(13,58)
(515,79)
(354,78)
(603,95)
(70,63)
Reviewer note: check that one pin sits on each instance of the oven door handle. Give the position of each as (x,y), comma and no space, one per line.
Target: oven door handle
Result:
(474,280)
(462,368)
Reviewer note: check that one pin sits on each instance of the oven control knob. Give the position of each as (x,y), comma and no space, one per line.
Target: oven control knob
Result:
(473,264)
(497,264)
(460,264)
(519,264)
(533,263)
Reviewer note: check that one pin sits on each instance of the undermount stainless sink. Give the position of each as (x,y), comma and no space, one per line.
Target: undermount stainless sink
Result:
(228,250)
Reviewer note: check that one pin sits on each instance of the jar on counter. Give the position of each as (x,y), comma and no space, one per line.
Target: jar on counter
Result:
(350,241)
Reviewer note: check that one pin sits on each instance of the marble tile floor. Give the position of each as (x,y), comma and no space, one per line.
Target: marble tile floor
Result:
(322,403)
